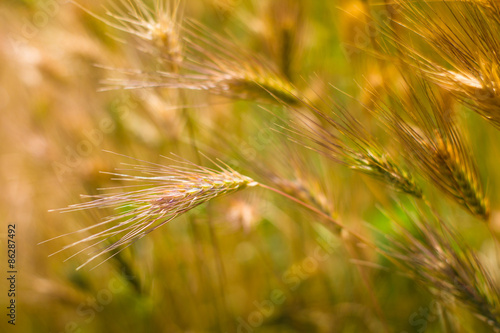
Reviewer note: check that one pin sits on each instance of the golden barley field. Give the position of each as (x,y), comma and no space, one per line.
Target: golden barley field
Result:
(250,166)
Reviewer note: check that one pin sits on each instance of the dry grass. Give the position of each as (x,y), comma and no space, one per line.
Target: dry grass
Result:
(463,36)
(440,260)
(158,195)
(423,120)
(394,144)
(343,139)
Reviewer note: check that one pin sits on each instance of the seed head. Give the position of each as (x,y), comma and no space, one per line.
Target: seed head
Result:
(424,123)
(160,194)
(464,35)
(441,261)
(155,28)
(343,139)
(198,58)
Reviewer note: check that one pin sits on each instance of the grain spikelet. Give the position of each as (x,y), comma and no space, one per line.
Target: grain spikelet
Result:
(345,141)
(199,58)
(155,28)
(464,35)
(441,261)
(159,194)
(434,144)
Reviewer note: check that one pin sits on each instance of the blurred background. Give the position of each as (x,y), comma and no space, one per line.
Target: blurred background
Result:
(249,262)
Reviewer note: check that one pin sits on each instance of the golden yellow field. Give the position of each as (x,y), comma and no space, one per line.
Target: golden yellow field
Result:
(311,166)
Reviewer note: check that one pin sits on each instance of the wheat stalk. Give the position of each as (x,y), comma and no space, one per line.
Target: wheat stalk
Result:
(464,34)
(441,262)
(345,141)
(196,58)
(160,194)
(155,28)
(216,64)
(424,124)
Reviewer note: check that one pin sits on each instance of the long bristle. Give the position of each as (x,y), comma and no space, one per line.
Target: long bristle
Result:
(464,36)
(434,143)
(342,138)
(195,57)
(441,262)
(162,194)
